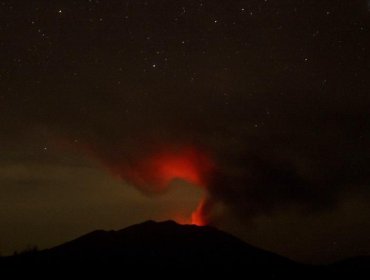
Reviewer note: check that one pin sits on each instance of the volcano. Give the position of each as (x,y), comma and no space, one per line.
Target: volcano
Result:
(163,248)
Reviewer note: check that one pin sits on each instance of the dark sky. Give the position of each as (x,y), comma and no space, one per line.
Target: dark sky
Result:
(267,101)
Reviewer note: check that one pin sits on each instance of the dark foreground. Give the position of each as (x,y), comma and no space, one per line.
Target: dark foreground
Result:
(167,249)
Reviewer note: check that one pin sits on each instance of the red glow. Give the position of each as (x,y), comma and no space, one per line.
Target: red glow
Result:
(152,173)
(187,164)
(155,172)
(197,217)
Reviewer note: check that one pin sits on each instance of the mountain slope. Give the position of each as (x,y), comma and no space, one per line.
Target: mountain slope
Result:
(164,248)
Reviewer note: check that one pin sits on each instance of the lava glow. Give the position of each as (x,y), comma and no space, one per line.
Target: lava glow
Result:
(197,215)
(187,165)
(155,173)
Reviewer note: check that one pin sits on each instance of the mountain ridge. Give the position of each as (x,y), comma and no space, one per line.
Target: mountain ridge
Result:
(167,247)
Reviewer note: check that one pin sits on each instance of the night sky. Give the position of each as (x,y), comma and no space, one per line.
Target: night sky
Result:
(116,112)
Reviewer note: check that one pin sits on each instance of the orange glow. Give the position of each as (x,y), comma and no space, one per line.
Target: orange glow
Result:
(187,165)
(155,172)
(197,217)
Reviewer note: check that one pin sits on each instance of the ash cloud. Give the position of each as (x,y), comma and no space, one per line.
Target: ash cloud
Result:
(279,101)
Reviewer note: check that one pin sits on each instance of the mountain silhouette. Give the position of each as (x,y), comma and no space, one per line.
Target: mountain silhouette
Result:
(167,248)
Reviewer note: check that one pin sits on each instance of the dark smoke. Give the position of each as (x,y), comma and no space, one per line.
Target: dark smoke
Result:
(282,137)
(284,116)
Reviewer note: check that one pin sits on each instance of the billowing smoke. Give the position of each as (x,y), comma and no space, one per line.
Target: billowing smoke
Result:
(154,172)
(267,114)
(246,183)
